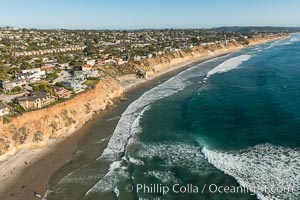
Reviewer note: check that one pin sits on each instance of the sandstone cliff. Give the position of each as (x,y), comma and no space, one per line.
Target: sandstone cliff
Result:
(35,127)
(157,64)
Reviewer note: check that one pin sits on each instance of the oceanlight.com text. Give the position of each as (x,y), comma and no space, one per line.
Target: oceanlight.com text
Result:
(205,188)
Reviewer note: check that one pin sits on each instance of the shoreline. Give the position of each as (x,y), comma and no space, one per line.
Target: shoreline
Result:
(37,165)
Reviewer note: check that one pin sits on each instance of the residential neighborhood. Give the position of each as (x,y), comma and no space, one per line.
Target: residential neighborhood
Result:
(41,67)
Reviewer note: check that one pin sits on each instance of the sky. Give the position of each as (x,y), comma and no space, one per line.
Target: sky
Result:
(138,14)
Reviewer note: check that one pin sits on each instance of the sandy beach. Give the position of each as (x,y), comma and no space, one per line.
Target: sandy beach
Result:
(26,174)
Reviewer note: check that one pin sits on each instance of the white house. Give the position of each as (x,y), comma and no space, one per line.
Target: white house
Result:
(9,85)
(111,61)
(75,85)
(4,110)
(91,62)
(32,74)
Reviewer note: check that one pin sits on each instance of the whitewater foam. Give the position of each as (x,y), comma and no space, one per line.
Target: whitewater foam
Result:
(116,171)
(135,161)
(175,155)
(294,39)
(123,131)
(285,41)
(229,64)
(163,176)
(267,169)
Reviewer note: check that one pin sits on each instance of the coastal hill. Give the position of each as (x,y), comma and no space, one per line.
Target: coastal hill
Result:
(255,29)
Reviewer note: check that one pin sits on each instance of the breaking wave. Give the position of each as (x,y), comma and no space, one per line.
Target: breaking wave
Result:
(229,64)
(273,172)
(125,126)
(286,42)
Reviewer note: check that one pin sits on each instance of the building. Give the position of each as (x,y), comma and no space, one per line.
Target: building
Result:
(91,62)
(75,85)
(7,86)
(47,69)
(49,51)
(79,75)
(23,76)
(62,93)
(32,75)
(88,68)
(4,110)
(92,74)
(110,61)
(35,100)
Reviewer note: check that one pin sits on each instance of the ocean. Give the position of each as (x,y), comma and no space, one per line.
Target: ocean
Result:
(227,128)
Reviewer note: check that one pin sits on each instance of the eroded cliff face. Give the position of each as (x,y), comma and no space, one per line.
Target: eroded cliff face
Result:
(157,64)
(36,127)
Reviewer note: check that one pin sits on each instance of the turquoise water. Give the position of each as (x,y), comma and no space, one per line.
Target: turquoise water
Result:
(232,121)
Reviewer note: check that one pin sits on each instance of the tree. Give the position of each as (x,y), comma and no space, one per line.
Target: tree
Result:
(36,88)
(38,63)
(25,65)
(17,89)
(195,40)
(6,42)
(3,72)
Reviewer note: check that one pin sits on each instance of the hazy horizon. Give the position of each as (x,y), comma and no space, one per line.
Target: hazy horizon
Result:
(138,29)
(134,14)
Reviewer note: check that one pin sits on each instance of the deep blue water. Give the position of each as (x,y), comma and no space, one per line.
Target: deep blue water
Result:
(239,126)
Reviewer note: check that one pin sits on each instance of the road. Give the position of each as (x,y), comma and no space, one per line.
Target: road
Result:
(9,98)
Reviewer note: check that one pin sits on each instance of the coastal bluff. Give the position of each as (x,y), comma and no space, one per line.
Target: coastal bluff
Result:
(35,128)
(158,64)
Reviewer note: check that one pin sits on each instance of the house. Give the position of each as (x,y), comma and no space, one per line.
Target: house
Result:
(92,74)
(47,69)
(62,93)
(79,75)
(23,76)
(120,61)
(35,100)
(4,110)
(91,62)
(88,67)
(7,86)
(110,61)
(32,75)
(75,85)
(64,65)
(101,62)
(137,58)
